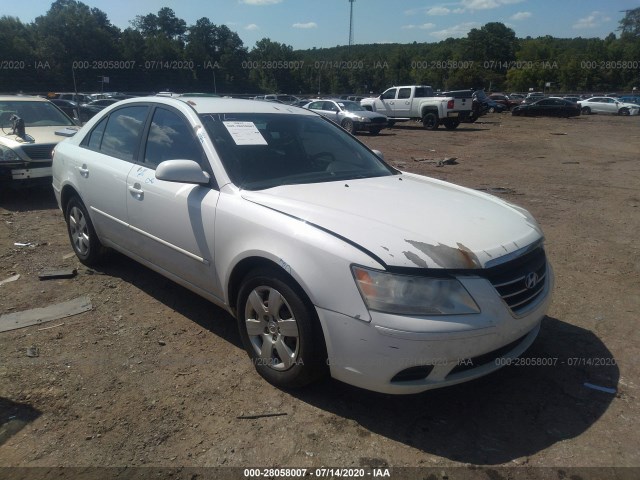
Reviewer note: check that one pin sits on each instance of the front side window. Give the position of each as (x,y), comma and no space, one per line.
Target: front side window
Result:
(262,151)
(389,94)
(170,138)
(122,134)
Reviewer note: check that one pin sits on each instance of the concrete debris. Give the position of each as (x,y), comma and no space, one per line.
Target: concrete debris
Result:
(36,316)
(55,274)
(13,278)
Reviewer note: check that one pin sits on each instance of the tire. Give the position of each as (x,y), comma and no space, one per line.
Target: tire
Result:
(451,124)
(286,345)
(585,111)
(391,123)
(348,125)
(430,121)
(492,109)
(82,235)
(624,111)
(375,131)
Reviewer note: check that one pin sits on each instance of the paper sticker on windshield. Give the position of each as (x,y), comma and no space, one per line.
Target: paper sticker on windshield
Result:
(245,133)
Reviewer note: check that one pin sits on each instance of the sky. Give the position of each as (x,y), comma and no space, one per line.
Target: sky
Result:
(305,24)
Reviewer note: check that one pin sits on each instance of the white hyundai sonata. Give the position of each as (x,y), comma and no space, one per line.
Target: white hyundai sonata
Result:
(330,259)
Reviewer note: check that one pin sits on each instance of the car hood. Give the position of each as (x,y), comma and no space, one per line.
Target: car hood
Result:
(409,220)
(40,135)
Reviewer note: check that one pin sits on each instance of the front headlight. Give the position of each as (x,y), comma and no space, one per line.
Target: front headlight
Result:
(409,295)
(8,155)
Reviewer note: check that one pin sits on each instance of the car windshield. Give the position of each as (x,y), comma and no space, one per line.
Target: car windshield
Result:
(352,106)
(262,151)
(34,114)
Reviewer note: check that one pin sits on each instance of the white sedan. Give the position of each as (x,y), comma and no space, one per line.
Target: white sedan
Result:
(330,259)
(608,105)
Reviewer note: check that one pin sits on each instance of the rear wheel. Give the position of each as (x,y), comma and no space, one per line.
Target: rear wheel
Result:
(586,111)
(280,330)
(430,121)
(451,124)
(82,235)
(348,125)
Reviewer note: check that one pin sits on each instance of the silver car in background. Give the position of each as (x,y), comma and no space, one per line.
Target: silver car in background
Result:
(349,115)
(330,259)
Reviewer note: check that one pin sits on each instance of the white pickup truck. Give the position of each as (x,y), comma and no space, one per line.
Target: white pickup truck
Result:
(405,103)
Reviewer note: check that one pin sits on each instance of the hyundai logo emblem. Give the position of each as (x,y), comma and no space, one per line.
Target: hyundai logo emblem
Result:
(531,280)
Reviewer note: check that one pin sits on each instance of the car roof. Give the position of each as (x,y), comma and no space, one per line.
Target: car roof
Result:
(21,98)
(222,105)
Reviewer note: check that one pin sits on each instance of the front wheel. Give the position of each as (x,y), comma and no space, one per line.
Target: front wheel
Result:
(280,330)
(82,235)
(624,112)
(348,125)
(430,121)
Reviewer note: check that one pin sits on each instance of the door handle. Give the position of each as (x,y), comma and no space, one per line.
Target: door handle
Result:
(136,191)
(84,171)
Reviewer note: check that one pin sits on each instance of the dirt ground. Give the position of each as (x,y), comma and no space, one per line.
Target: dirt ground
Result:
(155,376)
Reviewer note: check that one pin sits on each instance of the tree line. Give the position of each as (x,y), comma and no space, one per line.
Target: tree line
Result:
(76,47)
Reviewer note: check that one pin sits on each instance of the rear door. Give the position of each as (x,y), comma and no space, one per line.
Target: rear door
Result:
(172,224)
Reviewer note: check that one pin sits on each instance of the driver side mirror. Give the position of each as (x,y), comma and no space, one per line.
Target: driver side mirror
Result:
(379,154)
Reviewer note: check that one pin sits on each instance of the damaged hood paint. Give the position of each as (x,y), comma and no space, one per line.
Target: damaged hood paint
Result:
(408,220)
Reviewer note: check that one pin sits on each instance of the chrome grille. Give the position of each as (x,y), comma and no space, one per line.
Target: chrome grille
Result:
(39,152)
(520,282)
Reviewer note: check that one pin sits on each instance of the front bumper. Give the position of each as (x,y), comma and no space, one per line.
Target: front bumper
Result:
(399,355)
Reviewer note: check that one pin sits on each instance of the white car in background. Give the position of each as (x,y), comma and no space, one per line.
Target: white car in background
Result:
(29,129)
(608,105)
(330,259)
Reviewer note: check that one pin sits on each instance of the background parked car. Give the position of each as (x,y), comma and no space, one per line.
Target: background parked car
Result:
(28,127)
(533,96)
(608,105)
(280,97)
(350,115)
(88,110)
(67,106)
(630,99)
(505,100)
(550,107)
(74,97)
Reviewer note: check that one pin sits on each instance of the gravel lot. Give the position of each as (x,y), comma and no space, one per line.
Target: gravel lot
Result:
(155,376)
